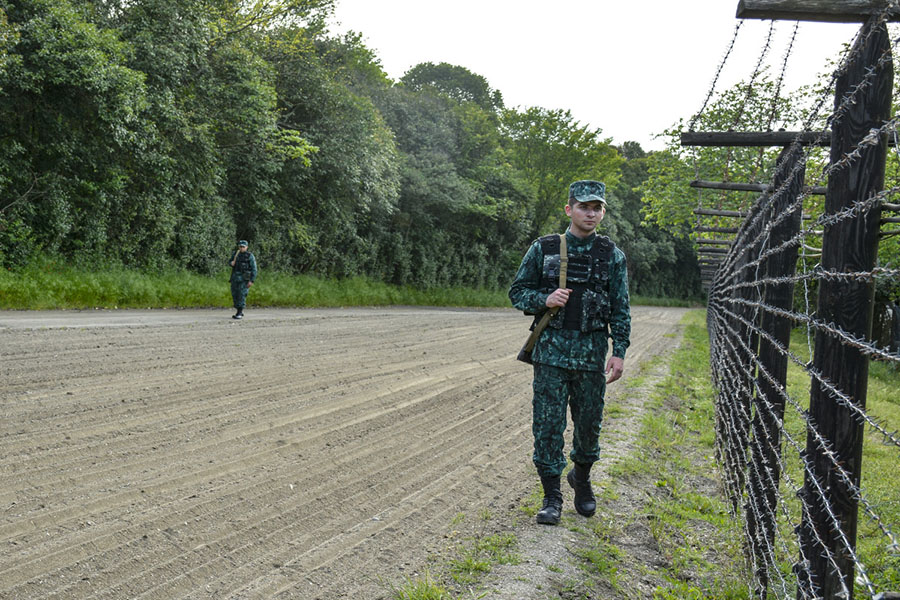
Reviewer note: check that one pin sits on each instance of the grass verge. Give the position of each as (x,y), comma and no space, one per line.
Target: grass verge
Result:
(477,548)
(879,469)
(695,547)
(662,530)
(676,539)
(50,285)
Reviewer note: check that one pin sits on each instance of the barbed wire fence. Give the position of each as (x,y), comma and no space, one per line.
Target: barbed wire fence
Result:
(801,498)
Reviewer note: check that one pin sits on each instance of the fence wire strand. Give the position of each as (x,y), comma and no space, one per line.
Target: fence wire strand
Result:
(792,518)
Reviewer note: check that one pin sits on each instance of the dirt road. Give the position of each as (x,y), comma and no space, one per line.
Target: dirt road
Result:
(296,454)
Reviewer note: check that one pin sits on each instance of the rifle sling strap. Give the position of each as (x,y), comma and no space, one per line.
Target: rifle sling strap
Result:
(542,324)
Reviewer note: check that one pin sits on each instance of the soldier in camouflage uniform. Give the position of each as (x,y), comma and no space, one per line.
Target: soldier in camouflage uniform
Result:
(569,355)
(243,274)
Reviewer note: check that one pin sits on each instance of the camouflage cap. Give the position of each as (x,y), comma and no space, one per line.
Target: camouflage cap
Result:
(588,190)
(243,243)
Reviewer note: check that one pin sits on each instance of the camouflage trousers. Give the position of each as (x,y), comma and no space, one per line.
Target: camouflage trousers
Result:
(556,389)
(239,291)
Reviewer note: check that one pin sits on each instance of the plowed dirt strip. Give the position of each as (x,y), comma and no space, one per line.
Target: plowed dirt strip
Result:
(296,454)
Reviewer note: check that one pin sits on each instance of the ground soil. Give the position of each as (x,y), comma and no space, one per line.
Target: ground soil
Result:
(315,454)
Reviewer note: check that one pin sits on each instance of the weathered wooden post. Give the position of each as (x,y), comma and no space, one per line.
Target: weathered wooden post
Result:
(765,449)
(849,245)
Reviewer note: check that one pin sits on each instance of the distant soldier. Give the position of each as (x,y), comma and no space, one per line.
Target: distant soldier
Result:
(243,274)
(568,356)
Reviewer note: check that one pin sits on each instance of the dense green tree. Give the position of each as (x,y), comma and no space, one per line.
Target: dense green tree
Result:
(327,212)
(456,82)
(144,132)
(73,134)
(156,132)
(669,199)
(8,37)
(552,149)
(461,205)
(659,263)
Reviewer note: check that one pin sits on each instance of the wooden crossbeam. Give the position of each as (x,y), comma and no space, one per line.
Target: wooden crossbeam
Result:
(830,11)
(715,242)
(747,187)
(716,229)
(754,138)
(720,213)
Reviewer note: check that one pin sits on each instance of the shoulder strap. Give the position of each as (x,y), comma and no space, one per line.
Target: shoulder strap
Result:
(542,324)
(563,260)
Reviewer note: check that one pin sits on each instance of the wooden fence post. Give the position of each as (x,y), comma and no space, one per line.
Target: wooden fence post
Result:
(848,246)
(765,449)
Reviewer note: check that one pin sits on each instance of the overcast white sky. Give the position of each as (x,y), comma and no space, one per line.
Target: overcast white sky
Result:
(629,68)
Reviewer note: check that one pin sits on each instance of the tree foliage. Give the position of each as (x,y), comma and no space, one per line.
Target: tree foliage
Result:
(669,199)
(660,264)
(456,82)
(552,149)
(154,133)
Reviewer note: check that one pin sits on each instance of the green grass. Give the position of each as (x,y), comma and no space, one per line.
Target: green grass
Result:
(638,300)
(480,551)
(478,557)
(473,557)
(879,482)
(679,439)
(879,466)
(422,588)
(602,557)
(688,518)
(48,284)
(698,539)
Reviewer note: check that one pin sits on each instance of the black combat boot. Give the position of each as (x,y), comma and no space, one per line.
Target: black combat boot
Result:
(549,513)
(580,480)
(239,314)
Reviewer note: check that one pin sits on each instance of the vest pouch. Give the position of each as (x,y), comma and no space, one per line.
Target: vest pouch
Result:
(595,310)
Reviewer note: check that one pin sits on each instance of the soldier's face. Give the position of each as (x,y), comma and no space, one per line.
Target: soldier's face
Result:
(585,216)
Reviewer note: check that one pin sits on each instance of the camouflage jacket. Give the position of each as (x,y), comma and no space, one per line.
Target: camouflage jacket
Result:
(244,268)
(566,348)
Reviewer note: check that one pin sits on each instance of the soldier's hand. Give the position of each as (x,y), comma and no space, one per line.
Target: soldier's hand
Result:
(249,283)
(558,297)
(614,368)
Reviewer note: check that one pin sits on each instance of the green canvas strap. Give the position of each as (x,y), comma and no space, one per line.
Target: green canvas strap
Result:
(563,268)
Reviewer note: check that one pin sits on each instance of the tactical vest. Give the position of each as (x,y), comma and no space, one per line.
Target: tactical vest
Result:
(587,308)
(242,266)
